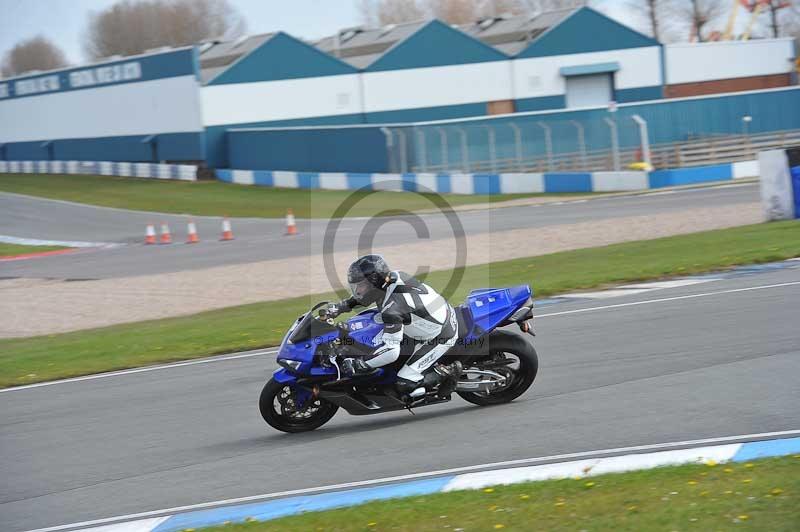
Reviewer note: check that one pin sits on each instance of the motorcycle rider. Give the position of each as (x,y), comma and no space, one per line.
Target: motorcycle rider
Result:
(412,312)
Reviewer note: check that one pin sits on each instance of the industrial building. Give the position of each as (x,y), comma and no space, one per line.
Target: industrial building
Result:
(187,104)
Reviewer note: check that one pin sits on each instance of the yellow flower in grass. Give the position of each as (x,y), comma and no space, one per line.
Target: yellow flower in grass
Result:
(728,470)
(524,497)
(743,517)
(498,526)
(776,491)
(747,481)
(692,483)
(589,484)
(373,523)
(711,463)
(703,493)
(749,465)
(560,503)
(488,490)
(632,508)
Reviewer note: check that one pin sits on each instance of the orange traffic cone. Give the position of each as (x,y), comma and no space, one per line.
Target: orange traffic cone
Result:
(166,236)
(150,234)
(291,226)
(227,233)
(192,230)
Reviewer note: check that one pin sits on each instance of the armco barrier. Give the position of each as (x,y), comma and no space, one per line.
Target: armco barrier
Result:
(182,172)
(447,183)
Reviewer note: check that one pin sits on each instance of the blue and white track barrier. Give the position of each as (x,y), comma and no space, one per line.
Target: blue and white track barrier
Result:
(584,464)
(182,172)
(513,183)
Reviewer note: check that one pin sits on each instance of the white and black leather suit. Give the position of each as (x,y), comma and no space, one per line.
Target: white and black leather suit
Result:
(414,315)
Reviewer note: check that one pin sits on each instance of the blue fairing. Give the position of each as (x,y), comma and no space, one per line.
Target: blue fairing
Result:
(489,307)
(365,329)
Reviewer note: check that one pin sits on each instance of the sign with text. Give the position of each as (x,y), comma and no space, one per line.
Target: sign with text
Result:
(140,68)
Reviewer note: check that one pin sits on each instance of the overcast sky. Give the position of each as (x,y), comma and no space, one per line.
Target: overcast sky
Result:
(64,21)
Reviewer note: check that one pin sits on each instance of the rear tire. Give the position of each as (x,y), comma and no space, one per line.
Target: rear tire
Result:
(501,342)
(313,417)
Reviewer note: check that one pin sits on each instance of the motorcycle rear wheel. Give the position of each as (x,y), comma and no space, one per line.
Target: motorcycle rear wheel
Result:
(507,343)
(275,404)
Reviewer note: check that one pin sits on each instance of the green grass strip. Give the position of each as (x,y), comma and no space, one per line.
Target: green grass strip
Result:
(9,250)
(216,198)
(760,495)
(28,360)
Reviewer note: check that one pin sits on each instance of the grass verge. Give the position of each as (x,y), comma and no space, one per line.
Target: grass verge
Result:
(215,198)
(760,495)
(10,250)
(28,360)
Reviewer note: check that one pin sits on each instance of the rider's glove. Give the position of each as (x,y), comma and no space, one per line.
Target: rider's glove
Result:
(354,366)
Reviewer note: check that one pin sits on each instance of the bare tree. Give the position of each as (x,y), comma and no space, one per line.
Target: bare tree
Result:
(381,12)
(784,17)
(689,20)
(135,26)
(651,12)
(37,53)
(539,6)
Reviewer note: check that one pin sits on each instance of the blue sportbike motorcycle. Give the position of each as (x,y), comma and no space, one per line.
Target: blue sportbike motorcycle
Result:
(498,364)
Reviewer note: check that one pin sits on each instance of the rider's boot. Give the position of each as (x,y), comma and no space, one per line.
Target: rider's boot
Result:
(441,375)
(446,377)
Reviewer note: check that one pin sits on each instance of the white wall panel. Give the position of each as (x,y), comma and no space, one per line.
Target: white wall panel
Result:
(541,76)
(169,105)
(437,86)
(689,63)
(264,101)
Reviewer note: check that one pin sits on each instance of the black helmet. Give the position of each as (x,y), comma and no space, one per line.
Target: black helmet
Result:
(367,278)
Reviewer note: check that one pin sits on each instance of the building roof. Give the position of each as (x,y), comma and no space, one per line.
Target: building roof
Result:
(217,56)
(512,34)
(360,46)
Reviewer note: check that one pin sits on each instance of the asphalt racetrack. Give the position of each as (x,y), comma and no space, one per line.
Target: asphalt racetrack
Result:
(262,239)
(722,362)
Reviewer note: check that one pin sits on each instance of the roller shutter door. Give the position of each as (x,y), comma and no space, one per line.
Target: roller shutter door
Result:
(589,91)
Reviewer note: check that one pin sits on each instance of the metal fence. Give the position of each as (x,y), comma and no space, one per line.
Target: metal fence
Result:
(554,148)
(663,134)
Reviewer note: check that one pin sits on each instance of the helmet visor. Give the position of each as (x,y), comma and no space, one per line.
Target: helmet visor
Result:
(362,290)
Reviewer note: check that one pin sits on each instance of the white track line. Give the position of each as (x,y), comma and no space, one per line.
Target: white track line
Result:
(416,476)
(664,299)
(270,351)
(67,243)
(273,350)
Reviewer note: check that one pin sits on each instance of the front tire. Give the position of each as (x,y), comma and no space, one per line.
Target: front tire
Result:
(508,343)
(276,405)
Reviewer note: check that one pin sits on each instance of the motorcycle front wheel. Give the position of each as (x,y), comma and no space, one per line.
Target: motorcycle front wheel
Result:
(278,405)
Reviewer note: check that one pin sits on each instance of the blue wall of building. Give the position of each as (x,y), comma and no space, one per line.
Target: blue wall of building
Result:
(308,150)
(586,30)
(137,148)
(282,57)
(436,44)
(669,121)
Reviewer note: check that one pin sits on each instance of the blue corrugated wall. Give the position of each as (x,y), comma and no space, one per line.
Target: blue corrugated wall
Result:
(335,150)
(168,147)
(669,121)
